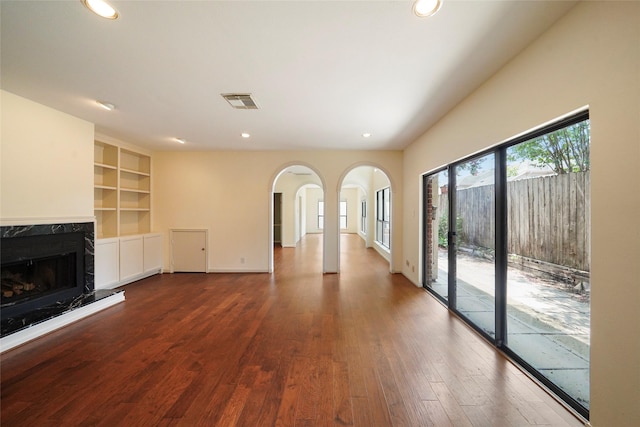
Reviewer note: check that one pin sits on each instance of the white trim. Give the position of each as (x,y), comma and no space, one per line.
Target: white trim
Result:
(114,285)
(45,220)
(237,270)
(40,329)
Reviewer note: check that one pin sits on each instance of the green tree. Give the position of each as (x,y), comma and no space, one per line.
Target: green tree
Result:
(565,150)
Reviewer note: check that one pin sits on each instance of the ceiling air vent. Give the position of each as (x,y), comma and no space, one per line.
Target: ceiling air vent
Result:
(240,101)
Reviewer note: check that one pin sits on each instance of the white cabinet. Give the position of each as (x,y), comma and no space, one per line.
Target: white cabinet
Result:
(131,257)
(107,262)
(122,260)
(152,248)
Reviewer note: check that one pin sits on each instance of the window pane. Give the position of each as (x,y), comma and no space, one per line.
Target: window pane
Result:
(386,233)
(475,241)
(436,230)
(363,217)
(548,315)
(387,211)
(343,222)
(343,208)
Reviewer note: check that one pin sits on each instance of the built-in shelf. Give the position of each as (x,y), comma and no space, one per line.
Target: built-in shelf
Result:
(122,191)
(104,165)
(133,190)
(134,172)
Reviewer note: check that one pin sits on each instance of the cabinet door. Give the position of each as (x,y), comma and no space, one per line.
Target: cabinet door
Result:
(107,261)
(189,251)
(131,257)
(152,252)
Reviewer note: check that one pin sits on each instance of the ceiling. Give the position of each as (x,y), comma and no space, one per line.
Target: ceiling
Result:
(322,72)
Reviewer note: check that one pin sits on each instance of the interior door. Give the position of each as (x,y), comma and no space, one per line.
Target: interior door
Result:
(189,251)
(277,218)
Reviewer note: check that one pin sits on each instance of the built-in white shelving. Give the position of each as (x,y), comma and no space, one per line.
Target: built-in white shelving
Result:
(125,249)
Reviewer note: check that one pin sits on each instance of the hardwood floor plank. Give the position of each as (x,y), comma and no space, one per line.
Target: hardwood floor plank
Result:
(325,406)
(451,406)
(292,348)
(289,402)
(341,397)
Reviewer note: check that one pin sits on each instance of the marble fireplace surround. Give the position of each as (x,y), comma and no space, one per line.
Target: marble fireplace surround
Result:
(25,327)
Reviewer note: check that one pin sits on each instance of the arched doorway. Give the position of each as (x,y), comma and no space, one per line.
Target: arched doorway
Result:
(366,198)
(297,208)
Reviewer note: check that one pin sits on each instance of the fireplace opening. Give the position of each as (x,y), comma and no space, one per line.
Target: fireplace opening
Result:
(36,277)
(40,270)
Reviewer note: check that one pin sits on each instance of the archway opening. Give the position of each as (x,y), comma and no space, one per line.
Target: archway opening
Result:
(298,215)
(365,210)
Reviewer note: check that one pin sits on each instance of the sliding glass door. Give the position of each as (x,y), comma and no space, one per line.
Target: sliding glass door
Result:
(475,241)
(506,245)
(548,320)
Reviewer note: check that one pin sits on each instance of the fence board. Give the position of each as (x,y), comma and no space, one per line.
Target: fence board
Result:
(548,218)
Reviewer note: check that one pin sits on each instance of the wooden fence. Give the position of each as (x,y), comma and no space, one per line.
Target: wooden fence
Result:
(548,218)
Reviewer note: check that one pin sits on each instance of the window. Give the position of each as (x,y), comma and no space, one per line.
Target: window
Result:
(363,217)
(320,214)
(506,246)
(343,215)
(383,217)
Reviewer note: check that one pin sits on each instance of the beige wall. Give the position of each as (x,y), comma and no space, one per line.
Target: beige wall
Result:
(229,193)
(46,163)
(591,57)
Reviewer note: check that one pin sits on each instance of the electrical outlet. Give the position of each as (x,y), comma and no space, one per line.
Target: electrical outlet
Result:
(242,260)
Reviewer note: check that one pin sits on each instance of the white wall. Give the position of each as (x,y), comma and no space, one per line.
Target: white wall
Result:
(46,163)
(590,57)
(229,193)
(379,181)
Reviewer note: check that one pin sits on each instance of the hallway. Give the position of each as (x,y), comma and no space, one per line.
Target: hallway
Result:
(293,348)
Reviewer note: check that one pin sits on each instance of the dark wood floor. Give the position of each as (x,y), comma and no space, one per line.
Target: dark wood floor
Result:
(296,348)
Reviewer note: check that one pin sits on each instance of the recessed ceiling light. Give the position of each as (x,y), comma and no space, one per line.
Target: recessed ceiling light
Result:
(366,135)
(245,135)
(101,8)
(106,105)
(424,8)
(181,140)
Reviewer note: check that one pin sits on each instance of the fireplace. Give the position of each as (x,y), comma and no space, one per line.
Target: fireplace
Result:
(44,266)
